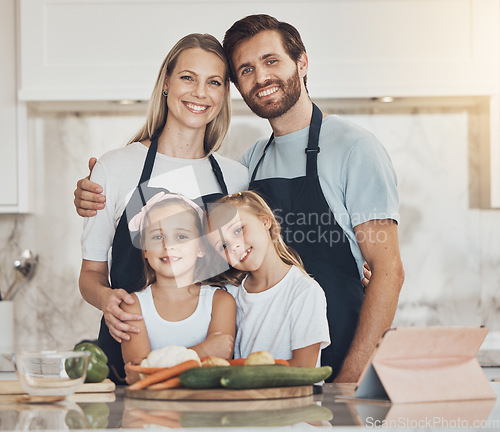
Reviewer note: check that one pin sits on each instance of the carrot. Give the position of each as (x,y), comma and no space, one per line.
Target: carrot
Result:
(164,374)
(202,359)
(169,383)
(237,362)
(144,370)
(282,362)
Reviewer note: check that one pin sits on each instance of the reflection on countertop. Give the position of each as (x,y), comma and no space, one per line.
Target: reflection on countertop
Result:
(335,407)
(271,413)
(429,415)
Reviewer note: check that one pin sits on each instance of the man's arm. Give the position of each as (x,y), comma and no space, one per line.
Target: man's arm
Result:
(378,241)
(88,195)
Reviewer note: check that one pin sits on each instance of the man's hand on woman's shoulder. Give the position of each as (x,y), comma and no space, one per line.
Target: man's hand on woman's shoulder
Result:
(88,195)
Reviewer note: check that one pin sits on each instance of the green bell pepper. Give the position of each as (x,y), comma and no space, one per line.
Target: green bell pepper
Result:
(97,369)
(97,414)
(75,420)
(93,415)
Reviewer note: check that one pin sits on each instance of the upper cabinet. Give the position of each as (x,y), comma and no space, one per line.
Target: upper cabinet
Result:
(14,159)
(112,49)
(108,50)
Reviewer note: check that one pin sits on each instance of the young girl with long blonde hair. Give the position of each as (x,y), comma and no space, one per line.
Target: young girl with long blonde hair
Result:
(280,308)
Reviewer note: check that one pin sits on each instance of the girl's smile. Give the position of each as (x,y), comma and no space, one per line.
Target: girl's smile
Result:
(245,254)
(170,259)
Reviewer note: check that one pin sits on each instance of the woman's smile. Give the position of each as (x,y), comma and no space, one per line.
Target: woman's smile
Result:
(196,108)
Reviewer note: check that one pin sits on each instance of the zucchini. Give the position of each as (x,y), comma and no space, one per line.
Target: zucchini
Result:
(203,377)
(250,377)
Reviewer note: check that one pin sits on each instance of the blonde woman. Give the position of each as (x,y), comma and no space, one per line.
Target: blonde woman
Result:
(188,117)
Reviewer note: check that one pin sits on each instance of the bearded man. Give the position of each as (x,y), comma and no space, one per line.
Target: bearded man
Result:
(338,208)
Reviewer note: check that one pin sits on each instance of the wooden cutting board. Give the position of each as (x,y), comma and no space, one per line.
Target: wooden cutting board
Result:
(25,398)
(14,387)
(221,394)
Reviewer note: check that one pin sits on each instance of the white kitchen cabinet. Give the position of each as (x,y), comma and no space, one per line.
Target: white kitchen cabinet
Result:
(112,49)
(494,165)
(14,158)
(73,50)
(406,48)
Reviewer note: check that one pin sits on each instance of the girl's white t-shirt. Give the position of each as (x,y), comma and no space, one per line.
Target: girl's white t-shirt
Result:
(288,316)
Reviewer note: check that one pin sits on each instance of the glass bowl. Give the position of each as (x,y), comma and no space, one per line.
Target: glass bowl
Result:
(51,373)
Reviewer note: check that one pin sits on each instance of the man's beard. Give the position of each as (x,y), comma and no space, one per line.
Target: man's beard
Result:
(291,94)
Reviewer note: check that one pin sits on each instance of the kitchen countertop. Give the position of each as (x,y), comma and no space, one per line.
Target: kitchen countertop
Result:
(331,408)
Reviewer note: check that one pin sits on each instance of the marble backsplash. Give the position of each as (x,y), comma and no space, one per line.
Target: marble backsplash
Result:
(451,252)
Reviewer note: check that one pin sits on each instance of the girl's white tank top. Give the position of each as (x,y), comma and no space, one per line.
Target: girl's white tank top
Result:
(188,332)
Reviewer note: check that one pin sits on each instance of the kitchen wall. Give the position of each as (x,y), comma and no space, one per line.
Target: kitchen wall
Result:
(451,252)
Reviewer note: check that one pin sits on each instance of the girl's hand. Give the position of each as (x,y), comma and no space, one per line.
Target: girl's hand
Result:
(114,316)
(88,195)
(216,344)
(367,273)
(131,376)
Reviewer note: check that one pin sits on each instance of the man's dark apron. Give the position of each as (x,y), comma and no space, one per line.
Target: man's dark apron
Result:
(127,268)
(309,226)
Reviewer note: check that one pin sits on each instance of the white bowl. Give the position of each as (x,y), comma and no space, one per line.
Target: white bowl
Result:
(46,372)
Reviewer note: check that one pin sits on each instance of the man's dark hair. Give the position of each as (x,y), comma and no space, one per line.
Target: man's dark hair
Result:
(252,25)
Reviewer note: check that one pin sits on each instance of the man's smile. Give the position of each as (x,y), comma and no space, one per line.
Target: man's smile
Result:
(267,91)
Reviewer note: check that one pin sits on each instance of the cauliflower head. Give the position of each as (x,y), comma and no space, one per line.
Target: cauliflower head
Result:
(169,356)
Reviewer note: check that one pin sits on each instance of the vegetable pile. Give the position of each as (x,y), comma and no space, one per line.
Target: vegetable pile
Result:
(259,370)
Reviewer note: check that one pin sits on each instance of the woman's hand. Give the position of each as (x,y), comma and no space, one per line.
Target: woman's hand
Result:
(114,316)
(88,195)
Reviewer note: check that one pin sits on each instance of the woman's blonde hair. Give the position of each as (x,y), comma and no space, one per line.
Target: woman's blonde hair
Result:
(217,129)
(257,205)
(149,272)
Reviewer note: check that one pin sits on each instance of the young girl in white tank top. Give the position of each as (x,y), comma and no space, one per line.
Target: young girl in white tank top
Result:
(176,309)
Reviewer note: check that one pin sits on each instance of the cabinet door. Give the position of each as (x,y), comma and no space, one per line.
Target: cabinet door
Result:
(365,48)
(8,109)
(106,50)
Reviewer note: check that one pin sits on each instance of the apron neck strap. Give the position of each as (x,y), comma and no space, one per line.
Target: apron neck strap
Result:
(148,167)
(150,160)
(313,149)
(218,174)
(271,139)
